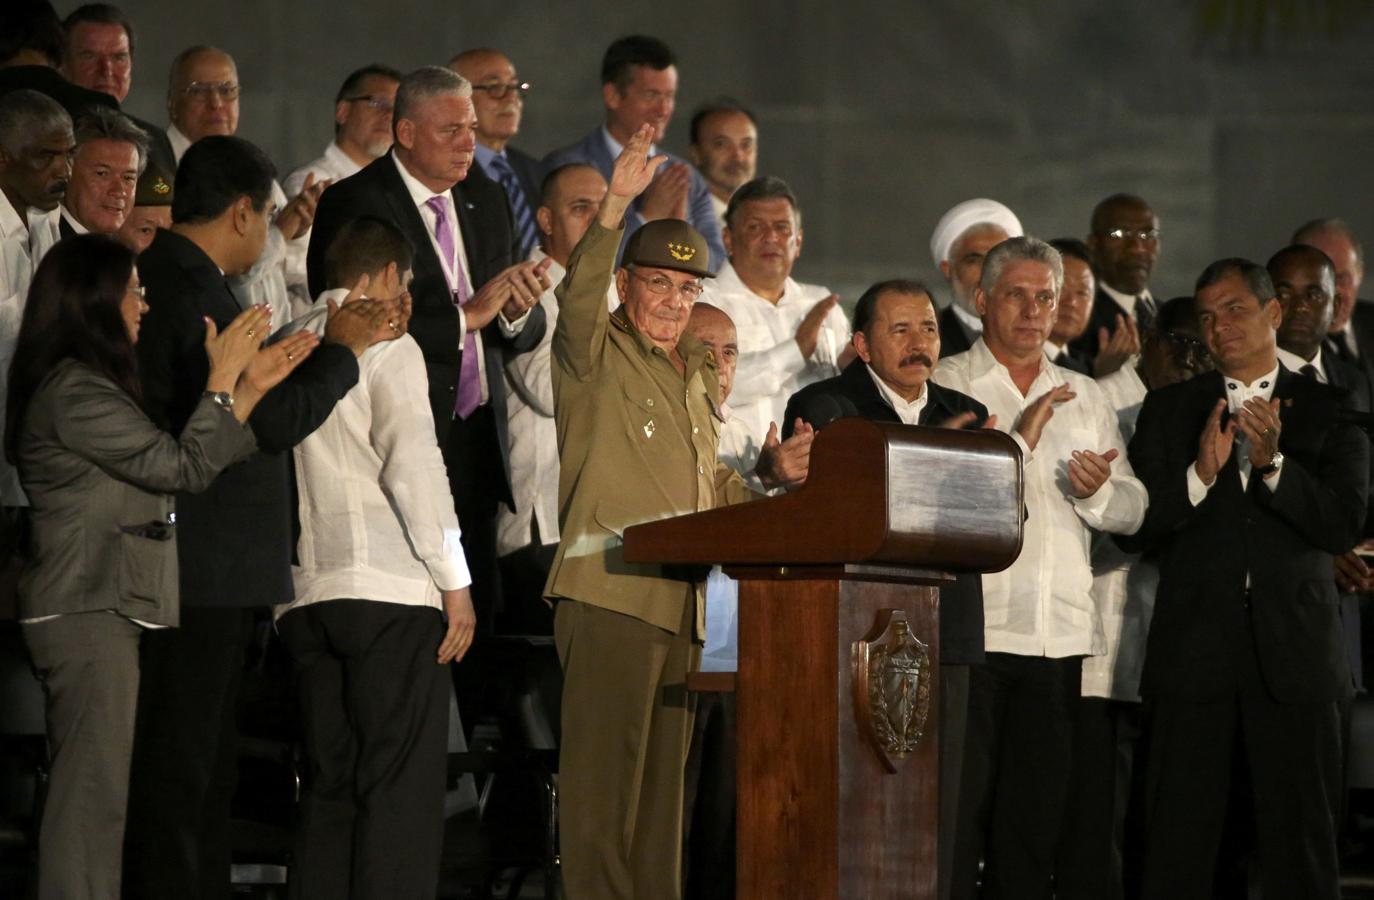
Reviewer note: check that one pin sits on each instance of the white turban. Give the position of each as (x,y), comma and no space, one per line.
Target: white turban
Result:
(961,218)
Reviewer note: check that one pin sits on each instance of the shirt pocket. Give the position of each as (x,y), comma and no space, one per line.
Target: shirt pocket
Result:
(147,564)
(643,411)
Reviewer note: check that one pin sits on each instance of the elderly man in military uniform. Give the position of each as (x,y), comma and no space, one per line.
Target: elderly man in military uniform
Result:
(638,419)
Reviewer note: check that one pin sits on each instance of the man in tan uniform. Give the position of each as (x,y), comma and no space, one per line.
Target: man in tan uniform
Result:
(637,412)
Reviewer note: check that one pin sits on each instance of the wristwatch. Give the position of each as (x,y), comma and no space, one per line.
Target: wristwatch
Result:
(224,399)
(1275,463)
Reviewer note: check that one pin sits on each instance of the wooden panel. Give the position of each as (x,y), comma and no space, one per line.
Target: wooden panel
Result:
(711,682)
(787,768)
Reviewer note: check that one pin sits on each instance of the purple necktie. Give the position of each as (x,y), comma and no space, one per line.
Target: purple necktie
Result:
(469,392)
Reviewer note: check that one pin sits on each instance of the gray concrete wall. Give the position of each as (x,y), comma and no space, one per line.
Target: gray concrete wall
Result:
(883,115)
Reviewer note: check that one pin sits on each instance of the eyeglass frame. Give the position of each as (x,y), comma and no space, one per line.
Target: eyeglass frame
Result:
(1147,235)
(500,89)
(662,286)
(201,90)
(374,102)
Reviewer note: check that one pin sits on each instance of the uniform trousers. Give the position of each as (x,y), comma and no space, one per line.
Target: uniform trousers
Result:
(375,708)
(185,765)
(627,725)
(1016,772)
(88,663)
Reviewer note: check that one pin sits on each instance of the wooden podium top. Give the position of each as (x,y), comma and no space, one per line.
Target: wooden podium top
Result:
(897,494)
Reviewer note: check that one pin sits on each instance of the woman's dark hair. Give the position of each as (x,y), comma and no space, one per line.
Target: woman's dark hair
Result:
(73,311)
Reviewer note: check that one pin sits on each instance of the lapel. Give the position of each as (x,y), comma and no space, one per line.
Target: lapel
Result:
(428,268)
(468,212)
(938,408)
(868,402)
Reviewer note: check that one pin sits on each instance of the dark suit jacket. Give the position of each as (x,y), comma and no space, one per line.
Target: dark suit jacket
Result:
(234,539)
(853,393)
(159,147)
(529,173)
(1284,539)
(485,220)
(953,338)
(76,100)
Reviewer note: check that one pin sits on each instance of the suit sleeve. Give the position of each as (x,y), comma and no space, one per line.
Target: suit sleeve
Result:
(100,422)
(524,340)
(703,218)
(1165,477)
(1325,504)
(300,404)
(583,318)
(172,363)
(329,218)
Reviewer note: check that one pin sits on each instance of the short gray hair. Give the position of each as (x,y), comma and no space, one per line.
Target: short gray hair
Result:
(102,124)
(1014,250)
(426,83)
(184,58)
(26,114)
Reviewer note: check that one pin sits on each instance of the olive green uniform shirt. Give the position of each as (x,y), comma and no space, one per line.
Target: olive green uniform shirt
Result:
(636,443)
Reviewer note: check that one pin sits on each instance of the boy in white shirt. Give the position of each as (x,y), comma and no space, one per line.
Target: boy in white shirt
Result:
(380,568)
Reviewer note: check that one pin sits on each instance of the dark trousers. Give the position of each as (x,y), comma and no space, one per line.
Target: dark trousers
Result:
(954,686)
(523,575)
(1293,752)
(185,763)
(375,704)
(710,797)
(1104,821)
(1016,772)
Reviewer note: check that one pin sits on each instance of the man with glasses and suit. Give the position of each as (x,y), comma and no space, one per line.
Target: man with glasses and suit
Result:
(1125,246)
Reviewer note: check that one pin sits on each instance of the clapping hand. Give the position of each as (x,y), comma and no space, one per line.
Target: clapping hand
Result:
(230,350)
(298,215)
(1114,351)
(785,463)
(1215,444)
(633,172)
(1035,416)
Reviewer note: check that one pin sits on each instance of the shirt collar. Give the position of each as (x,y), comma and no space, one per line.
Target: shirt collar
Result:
(340,160)
(1294,363)
(419,194)
(1125,301)
(981,362)
(485,155)
(1237,391)
(12,224)
(727,281)
(898,403)
(180,142)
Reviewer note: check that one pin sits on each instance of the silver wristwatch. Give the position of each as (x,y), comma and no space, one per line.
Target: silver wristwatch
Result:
(223,399)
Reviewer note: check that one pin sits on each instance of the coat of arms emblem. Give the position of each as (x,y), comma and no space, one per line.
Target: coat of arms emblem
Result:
(892,677)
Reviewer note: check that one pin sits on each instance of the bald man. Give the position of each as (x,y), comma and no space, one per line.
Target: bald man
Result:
(1125,246)
(498,95)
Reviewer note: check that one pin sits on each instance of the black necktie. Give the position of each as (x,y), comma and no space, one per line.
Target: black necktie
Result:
(1310,371)
(1144,312)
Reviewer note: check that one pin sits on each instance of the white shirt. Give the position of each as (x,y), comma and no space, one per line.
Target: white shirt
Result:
(334,166)
(533,437)
(1125,301)
(1124,585)
(1294,363)
(719,206)
(377,517)
(771,367)
(1042,605)
(969,320)
(23,242)
(420,196)
(270,281)
(908,412)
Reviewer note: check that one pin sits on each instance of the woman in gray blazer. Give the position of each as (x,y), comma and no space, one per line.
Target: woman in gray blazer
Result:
(101,564)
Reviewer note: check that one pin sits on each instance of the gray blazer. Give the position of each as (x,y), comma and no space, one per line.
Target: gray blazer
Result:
(99,476)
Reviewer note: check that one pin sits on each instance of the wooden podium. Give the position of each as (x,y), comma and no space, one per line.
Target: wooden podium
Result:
(838,699)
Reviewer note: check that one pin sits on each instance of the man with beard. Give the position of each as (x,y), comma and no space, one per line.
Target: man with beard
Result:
(498,95)
(36,147)
(1125,245)
(724,148)
(961,239)
(362,128)
(111,151)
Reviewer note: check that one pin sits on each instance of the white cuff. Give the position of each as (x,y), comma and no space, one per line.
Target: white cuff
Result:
(509,328)
(1197,491)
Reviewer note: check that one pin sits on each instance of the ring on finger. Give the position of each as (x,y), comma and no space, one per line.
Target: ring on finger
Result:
(250,332)
(290,357)
(392,324)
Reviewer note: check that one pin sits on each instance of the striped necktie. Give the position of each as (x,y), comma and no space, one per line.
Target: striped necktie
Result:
(519,204)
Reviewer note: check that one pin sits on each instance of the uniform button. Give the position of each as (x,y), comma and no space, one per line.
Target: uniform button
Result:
(650,401)
(695,429)
(701,470)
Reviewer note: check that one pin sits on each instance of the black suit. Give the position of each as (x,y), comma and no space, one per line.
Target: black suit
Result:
(954,335)
(159,147)
(1104,312)
(854,393)
(1262,666)
(234,548)
(76,100)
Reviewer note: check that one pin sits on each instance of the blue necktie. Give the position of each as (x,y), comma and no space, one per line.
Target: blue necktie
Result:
(519,204)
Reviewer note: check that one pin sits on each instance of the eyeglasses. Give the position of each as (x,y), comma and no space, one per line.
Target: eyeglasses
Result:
(381,104)
(499,91)
(139,291)
(1147,235)
(1187,351)
(661,285)
(202,90)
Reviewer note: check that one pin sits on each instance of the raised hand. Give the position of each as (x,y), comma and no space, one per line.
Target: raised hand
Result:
(298,215)
(632,173)
(1114,351)
(1215,445)
(230,351)
(1033,419)
(1088,471)
(809,331)
(785,463)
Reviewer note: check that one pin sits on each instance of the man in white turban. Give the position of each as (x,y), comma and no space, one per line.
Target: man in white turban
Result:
(962,237)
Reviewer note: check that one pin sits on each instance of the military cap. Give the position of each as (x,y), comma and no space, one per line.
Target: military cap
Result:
(154,186)
(669,244)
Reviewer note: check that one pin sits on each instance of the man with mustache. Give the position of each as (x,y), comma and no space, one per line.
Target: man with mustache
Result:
(725,149)
(790,334)
(1041,619)
(1125,245)
(36,145)
(897,337)
(498,95)
(639,87)
(111,152)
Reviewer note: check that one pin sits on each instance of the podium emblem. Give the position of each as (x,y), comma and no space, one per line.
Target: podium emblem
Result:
(892,674)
